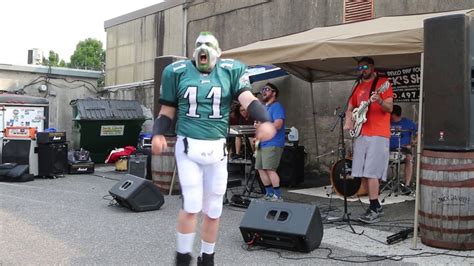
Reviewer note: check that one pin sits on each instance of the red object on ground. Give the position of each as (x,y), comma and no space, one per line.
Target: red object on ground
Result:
(117,153)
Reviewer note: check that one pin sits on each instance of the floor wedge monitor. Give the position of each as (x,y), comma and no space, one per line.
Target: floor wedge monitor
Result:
(292,226)
(137,194)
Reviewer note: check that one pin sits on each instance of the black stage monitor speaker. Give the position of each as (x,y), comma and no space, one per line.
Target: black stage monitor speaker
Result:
(137,194)
(291,168)
(292,226)
(52,159)
(448,121)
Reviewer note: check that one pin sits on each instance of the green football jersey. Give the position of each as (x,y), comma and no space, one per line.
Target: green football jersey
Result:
(203,100)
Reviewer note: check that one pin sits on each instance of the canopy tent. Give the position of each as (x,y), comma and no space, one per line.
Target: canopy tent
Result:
(330,53)
(262,72)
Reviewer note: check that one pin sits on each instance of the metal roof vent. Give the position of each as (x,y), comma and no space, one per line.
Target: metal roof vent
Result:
(358,10)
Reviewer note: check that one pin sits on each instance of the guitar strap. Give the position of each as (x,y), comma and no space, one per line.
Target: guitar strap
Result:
(374,83)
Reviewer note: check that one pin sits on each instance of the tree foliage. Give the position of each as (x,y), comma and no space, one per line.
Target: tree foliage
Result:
(53,60)
(89,54)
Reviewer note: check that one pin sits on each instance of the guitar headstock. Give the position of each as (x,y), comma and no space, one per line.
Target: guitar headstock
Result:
(384,87)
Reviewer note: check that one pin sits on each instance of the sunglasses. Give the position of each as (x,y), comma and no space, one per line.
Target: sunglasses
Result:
(363,67)
(264,89)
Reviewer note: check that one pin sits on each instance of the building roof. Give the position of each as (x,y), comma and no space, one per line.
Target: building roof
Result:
(143,12)
(62,71)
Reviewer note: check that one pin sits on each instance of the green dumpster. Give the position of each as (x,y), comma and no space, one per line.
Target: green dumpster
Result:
(101,125)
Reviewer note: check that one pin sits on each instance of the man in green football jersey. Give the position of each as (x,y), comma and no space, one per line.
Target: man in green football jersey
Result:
(200,93)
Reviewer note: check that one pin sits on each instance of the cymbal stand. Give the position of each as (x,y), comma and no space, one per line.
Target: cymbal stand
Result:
(394,182)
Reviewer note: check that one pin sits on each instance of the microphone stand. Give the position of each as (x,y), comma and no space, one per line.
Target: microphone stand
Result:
(346,215)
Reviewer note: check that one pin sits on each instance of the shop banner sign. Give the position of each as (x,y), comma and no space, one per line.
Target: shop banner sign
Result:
(406,83)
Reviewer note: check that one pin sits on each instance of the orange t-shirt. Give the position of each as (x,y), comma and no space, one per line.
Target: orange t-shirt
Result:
(378,121)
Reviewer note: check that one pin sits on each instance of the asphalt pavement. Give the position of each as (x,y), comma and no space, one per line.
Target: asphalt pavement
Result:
(72,220)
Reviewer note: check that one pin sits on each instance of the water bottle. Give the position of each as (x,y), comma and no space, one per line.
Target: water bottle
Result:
(293,136)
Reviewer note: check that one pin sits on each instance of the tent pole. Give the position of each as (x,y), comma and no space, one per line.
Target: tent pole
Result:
(418,156)
(314,123)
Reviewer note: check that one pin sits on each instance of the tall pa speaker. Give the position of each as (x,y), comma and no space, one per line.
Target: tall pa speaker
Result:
(291,168)
(52,159)
(292,226)
(447,83)
(137,194)
(160,63)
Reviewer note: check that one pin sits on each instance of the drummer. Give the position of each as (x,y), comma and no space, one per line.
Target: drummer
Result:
(405,129)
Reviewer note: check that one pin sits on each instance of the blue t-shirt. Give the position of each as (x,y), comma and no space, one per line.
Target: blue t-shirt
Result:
(276,111)
(409,130)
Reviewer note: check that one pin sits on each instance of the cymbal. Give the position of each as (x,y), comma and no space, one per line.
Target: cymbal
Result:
(401,130)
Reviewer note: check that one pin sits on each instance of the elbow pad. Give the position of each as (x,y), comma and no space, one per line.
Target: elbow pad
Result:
(161,125)
(258,111)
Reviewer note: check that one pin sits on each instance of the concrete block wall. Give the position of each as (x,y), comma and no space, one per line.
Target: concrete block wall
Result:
(132,46)
(236,23)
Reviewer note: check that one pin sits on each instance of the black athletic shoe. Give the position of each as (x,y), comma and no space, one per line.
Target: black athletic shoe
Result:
(206,260)
(405,190)
(370,217)
(183,259)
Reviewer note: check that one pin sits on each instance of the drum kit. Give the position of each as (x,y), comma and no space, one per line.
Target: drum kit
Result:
(356,186)
(396,158)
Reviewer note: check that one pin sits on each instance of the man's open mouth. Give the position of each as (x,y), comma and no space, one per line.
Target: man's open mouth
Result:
(202,58)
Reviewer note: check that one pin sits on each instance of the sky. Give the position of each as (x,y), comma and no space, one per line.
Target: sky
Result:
(56,25)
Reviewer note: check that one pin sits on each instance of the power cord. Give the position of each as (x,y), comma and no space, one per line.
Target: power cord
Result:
(106,177)
(350,259)
(112,201)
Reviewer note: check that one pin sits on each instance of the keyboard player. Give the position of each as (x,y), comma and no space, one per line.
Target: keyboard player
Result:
(247,130)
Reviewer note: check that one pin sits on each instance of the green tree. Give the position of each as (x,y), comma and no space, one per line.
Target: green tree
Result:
(53,60)
(89,54)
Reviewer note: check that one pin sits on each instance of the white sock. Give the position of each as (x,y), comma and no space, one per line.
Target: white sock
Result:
(184,242)
(207,248)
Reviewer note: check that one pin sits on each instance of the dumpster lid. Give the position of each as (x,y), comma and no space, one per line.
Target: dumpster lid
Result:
(107,109)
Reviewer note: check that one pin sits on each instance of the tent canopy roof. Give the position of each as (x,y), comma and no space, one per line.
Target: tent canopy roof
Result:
(331,53)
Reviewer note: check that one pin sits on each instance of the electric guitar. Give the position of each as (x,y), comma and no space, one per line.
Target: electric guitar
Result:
(359,114)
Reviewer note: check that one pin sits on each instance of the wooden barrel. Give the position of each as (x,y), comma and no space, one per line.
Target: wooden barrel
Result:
(163,167)
(447,199)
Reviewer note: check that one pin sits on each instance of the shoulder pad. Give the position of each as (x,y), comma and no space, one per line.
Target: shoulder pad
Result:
(230,64)
(178,66)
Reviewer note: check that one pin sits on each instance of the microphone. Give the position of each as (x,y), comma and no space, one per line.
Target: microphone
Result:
(399,236)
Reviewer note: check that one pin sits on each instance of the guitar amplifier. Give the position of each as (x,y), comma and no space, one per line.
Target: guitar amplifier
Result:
(50,137)
(137,165)
(81,168)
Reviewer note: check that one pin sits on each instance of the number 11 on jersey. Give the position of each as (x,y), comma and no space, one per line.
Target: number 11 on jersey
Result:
(215,94)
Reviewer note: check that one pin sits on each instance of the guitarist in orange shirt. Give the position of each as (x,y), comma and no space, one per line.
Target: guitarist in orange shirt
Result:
(371,145)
